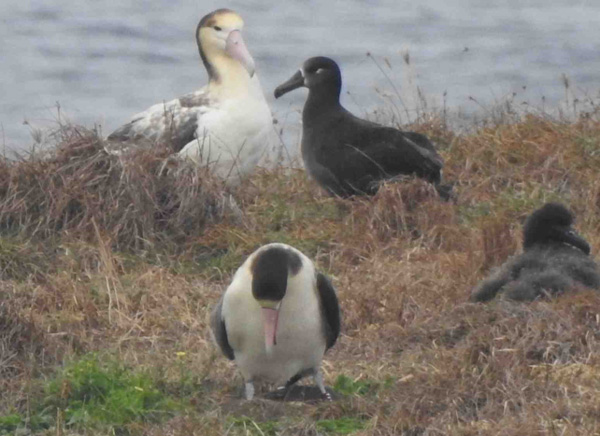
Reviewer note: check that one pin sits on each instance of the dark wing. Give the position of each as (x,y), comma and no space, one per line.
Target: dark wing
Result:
(126,132)
(183,132)
(330,309)
(174,122)
(367,152)
(421,141)
(217,325)
(400,152)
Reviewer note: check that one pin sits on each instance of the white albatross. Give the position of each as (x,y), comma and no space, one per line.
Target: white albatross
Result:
(226,125)
(277,318)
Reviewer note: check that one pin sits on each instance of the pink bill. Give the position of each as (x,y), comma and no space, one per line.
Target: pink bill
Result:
(270,317)
(236,48)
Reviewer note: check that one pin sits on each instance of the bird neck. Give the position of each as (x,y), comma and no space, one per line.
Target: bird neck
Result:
(229,78)
(320,102)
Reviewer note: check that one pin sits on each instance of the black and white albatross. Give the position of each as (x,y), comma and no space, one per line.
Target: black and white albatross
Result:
(277,318)
(347,155)
(226,125)
(555,260)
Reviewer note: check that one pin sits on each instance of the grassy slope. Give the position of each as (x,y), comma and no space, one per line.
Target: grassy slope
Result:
(414,356)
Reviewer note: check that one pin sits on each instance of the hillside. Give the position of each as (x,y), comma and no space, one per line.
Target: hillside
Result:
(109,269)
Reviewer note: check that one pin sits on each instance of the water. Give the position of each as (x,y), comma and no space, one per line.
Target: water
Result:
(104,61)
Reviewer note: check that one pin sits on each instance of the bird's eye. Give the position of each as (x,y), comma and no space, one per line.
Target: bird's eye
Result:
(217,28)
(320,70)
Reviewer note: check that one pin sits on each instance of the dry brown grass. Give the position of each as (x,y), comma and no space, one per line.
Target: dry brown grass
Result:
(403,263)
(137,200)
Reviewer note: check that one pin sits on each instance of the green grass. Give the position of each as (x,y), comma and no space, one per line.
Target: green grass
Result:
(346,386)
(92,393)
(10,424)
(344,425)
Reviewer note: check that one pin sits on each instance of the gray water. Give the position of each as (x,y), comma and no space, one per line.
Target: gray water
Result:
(103,61)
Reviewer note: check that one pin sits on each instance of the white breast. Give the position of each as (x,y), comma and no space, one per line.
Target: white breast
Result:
(233,135)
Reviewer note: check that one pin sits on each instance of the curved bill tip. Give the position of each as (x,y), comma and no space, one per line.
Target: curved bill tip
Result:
(296,81)
(236,48)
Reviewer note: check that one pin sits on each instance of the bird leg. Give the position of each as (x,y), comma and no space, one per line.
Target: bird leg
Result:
(319,381)
(249,390)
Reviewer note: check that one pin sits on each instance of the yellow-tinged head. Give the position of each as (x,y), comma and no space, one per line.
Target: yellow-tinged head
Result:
(221,44)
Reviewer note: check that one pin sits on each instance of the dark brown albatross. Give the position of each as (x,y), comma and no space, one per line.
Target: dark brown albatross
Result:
(347,155)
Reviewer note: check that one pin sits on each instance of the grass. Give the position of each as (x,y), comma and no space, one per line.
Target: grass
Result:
(95,394)
(92,393)
(346,386)
(75,187)
(106,289)
(340,426)
(249,426)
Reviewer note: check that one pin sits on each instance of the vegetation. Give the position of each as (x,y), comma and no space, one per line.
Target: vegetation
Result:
(109,266)
(94,394)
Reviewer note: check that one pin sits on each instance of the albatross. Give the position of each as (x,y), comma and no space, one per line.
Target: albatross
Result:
(227,125)
(555,260)
(277,318)
(347,155)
